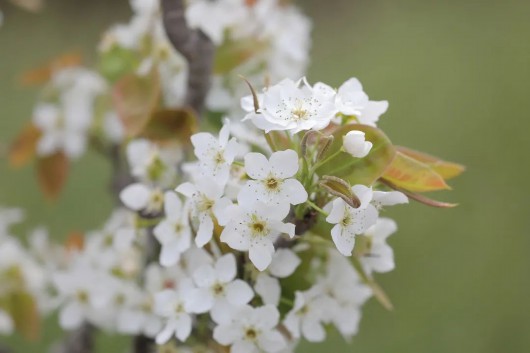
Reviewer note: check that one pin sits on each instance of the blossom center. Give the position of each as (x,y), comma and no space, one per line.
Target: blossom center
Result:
(272,183)
(251,333)
(205,204)
(257,226)
(82,296)
(218,289)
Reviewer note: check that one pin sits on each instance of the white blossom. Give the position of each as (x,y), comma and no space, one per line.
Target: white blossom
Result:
(142,197)
(379,256)
(284,263)
(251,330)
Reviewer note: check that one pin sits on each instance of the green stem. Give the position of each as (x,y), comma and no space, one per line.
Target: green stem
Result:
(314,206)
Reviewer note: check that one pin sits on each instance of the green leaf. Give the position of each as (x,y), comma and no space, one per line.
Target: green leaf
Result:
(357,170)
(117,62)
(22,308)
(409,174)
(231,54)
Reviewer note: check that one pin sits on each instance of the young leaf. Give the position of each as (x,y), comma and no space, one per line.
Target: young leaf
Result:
(340,188)
(420,198)
(409,174)
(135,98)
(23,149)
(357,170)
(447,170)
(171,124)
(52,172)
(23,310)
(232,53)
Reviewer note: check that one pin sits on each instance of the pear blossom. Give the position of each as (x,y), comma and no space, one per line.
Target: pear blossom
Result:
(293,106)
(254,227)
(215,154)
(352,101)
(273,179)
(251,330)
(173,233)
(149,163)
(219,292)
(379,256)
(310,311)
(142,197)
(388,198)
(175,306)
(284,263)
(355,144)
(351,221)
(205,196)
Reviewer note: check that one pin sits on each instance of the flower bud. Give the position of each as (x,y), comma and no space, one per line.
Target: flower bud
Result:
(355,144)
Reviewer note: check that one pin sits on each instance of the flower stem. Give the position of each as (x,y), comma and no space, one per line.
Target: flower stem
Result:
(314,206)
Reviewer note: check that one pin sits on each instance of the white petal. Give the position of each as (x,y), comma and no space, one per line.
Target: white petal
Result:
(261,255)
(135,196)
(205,231)
(313,331)
(187,189)
(364,194)
(226,334)
(202,301)
(284,263)
(268,289)
(243,347)
(337,211)
(256,165)
(239,293)
(268,316)
(172,205)
(226,268)
(183,327)
(284,164)
(166,333)
(204,276)
(343,240)
(170,254)
(71,316)
(272,341)
(294,191)
(391,198)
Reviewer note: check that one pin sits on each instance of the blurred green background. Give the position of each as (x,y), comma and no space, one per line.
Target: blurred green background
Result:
(457,75)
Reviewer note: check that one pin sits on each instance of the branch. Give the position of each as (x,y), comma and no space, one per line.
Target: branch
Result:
(195,46)
(79,341)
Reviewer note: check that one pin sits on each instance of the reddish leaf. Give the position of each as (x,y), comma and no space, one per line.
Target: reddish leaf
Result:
(43,73)
(171,124)
(409,174)
(447,170)
(75,241)
(52,172)
(135,98)
(421,198)
(23,149)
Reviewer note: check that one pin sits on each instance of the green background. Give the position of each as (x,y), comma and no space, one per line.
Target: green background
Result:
(457,76)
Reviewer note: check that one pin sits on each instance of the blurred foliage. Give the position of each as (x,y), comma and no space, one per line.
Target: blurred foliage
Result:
(456,75)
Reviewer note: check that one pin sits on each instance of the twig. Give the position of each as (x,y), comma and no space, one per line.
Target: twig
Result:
(195,46)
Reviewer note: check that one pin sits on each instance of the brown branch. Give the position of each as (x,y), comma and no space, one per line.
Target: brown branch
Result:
(79,341)
(195,46)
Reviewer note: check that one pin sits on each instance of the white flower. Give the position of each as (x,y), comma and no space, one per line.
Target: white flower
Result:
(175,307)
(252,330)
(7,326)
(284,263)
(352,101)
(351,221)
(141,197)
(273,182)
(310,311)
(150,163)
(205,195)
(293,106)
(215,155)
(355,144)
(379,256)
(173,233)
(254,228)
(219,291)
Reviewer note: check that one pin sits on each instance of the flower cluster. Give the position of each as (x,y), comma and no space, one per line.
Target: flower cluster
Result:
(249,239)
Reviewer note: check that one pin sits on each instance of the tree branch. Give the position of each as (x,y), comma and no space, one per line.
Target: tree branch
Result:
(195,46)
(79,341)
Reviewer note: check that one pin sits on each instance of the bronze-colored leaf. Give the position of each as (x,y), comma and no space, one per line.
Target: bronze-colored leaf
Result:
(135,99)
(447,170)
(23,149)
(233,53)
(24,312)
(409,174)
(52,172)
(170,125)
(42,74)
